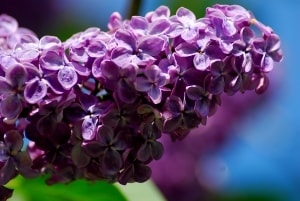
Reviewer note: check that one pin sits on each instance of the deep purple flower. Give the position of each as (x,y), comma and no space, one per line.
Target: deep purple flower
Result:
(13,160)
(179,118)
(205,103)
(151,148)
(266,51)
(118,79)
(11,88)
(152,81)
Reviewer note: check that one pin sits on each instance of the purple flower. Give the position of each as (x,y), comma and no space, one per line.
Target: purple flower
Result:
(139,51)
(11,88)
(151,148)
(152,81)
(266,51)
(187,25)
(54,63)
(179,118)
(228,19)
(205,103)
(13,160)
(118,79)
(141,27)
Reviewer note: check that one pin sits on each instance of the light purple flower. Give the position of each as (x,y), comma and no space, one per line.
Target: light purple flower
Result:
(140,51)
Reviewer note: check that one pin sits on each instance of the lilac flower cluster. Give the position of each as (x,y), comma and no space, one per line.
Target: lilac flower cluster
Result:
(95,106)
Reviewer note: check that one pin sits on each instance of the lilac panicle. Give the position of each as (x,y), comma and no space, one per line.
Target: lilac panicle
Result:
(96,105)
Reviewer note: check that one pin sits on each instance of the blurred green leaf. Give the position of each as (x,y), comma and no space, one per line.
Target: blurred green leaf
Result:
(141,191)
(37,190)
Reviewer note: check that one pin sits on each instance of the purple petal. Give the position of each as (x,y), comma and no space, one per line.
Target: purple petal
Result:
(161,12)
(80,69)
(115,21)
(11,107)
(27,49)
(8,25)
(96,70)
(143,84)
(162,79)
(54,84)
(216,68)
(157,150)
(262,85)
(141,173)
(195,92)
(96,49)
(144,152)
(172,124)
(125,39)
(87,101)
(142,59)
(94,149)
(51,61)
(67,77)
(159,27)
(202,107)
(4,86)
(213,50)
(88,127)
(79,54)
(126,91)
(174,105)
(155,94)
(35,91)
(14,141)
(17,75)
(272,43)
(267,64)
(8,171)
(216,85)
(110,70)
(79,157)
(49,42)
(105,135)
(186,49)
(61,134)
(151,45)
(122,56)
(276,55)
(112,162)
(247,35)
(5,193)
(185,16)
(138,24)
(228,26)
(201,61)
(189,34)
(152,72)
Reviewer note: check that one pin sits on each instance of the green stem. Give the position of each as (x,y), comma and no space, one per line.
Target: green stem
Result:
(134,8)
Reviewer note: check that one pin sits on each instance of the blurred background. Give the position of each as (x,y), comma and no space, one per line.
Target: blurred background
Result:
(250,150)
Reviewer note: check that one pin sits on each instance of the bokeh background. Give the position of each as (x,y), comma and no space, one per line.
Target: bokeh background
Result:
(250,150)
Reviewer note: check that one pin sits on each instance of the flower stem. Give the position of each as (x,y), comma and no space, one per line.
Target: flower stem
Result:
(134,8)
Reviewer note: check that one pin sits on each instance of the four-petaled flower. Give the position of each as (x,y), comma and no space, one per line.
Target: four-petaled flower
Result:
(152,81)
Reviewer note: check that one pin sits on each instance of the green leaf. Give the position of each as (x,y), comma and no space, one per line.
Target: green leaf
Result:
(146,191)
(36,190)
